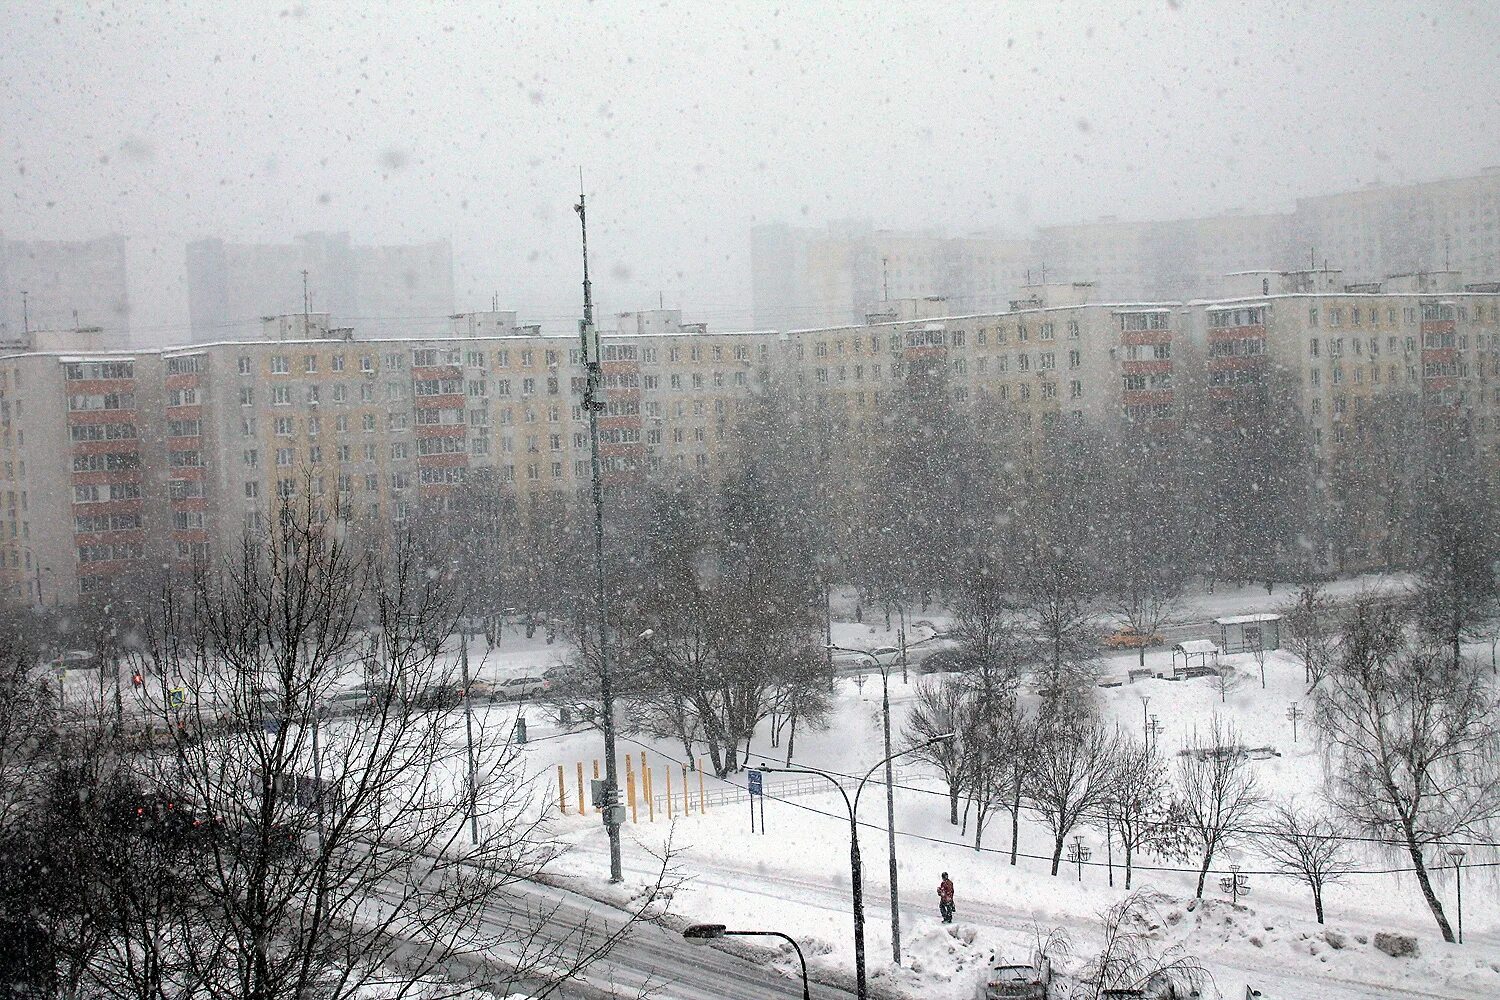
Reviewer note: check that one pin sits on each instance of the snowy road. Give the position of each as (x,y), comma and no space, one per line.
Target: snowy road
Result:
(653,958)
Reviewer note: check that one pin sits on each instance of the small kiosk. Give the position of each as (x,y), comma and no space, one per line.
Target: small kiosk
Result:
(1249,633)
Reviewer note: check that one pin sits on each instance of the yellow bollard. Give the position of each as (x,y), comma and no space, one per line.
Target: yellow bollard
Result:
(630,786)
(687,795)
(702,800)
(650,799)
(669,792)
(580,789)
(596,770)
(562,791)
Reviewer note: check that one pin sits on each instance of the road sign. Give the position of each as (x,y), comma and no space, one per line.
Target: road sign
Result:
(755,783)
(176,697)
(756,788)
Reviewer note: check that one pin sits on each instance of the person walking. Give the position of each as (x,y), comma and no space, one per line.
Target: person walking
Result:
(945,898)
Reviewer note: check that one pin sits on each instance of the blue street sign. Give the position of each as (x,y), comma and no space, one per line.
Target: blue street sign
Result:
(755,786)
(176,697)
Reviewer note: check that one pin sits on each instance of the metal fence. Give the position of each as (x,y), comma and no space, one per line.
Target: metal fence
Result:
(730,794)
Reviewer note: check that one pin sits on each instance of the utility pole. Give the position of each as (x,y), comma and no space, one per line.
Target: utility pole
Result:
(463,659)
(1294,713)
(593,402)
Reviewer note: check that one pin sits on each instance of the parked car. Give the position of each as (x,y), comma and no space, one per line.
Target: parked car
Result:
(1016,982)
(481,691)
(1129,638)
(347,702)
(517,688)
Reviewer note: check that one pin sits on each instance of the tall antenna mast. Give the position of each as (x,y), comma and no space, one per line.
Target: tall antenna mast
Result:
(306,308)
(583,221)
(885,279)
(26,329)
(594,402)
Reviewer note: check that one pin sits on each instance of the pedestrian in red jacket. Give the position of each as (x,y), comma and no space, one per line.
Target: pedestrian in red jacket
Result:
(945,898)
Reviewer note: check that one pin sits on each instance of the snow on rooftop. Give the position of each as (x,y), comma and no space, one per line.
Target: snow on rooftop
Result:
(1248,619)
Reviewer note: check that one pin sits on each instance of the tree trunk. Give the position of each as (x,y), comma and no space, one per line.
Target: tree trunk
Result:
(1143,654)
(1129,858)
(1057,849)
(953,805)
(1015,823)
(1208,859)
(791,739)
(1317,892)
(1433,903)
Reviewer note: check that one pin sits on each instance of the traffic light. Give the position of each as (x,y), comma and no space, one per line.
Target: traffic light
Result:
(136,679)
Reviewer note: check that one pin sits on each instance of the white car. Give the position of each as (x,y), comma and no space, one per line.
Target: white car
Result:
(521,687)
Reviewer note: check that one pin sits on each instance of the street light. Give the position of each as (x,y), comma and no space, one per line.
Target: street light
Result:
(1078,854)
(703,933)
(1457,854)
(855,868)
(890,796)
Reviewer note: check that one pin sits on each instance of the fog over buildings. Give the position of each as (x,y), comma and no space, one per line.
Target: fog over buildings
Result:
(161,128)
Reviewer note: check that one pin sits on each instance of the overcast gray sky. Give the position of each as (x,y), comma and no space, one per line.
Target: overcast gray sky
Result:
(406,122)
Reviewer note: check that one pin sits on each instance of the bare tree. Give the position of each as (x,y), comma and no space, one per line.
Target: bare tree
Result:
(1140,802)
(1133,958)
(352,850)
(1002,736)
(941,706)
(1218,793)
(1312,616)
(1072,772)
(1307,845)
(1412,739)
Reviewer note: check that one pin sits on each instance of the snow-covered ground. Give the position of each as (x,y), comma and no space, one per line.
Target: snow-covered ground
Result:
(795,877)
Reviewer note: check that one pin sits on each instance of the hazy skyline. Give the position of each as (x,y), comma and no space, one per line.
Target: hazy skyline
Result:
(401,123)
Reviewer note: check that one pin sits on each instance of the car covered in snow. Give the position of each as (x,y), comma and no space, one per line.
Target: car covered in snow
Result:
(1002,981)
(517,688)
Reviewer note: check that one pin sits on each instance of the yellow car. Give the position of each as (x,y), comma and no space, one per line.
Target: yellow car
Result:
(1129,638)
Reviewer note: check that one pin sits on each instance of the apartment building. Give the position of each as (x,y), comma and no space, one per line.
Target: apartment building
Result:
(118,460)
(113,460)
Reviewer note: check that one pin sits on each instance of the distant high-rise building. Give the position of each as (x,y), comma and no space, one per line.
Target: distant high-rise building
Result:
(379,290)
(64,285)
(1380,231)
(804,277)
(807,277)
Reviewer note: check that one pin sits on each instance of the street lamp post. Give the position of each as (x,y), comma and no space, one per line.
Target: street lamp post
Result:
(1078,854)
(703,933)
(890,798)
(1457,854)
(855,867)
(1154,730)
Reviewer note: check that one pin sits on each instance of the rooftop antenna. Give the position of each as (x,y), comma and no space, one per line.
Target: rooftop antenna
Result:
(25,314)
(306,307)
(1446,242)
(885,278)
(661,299)
(75,320)
(1044,272)
(495,302)
(1312,258)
